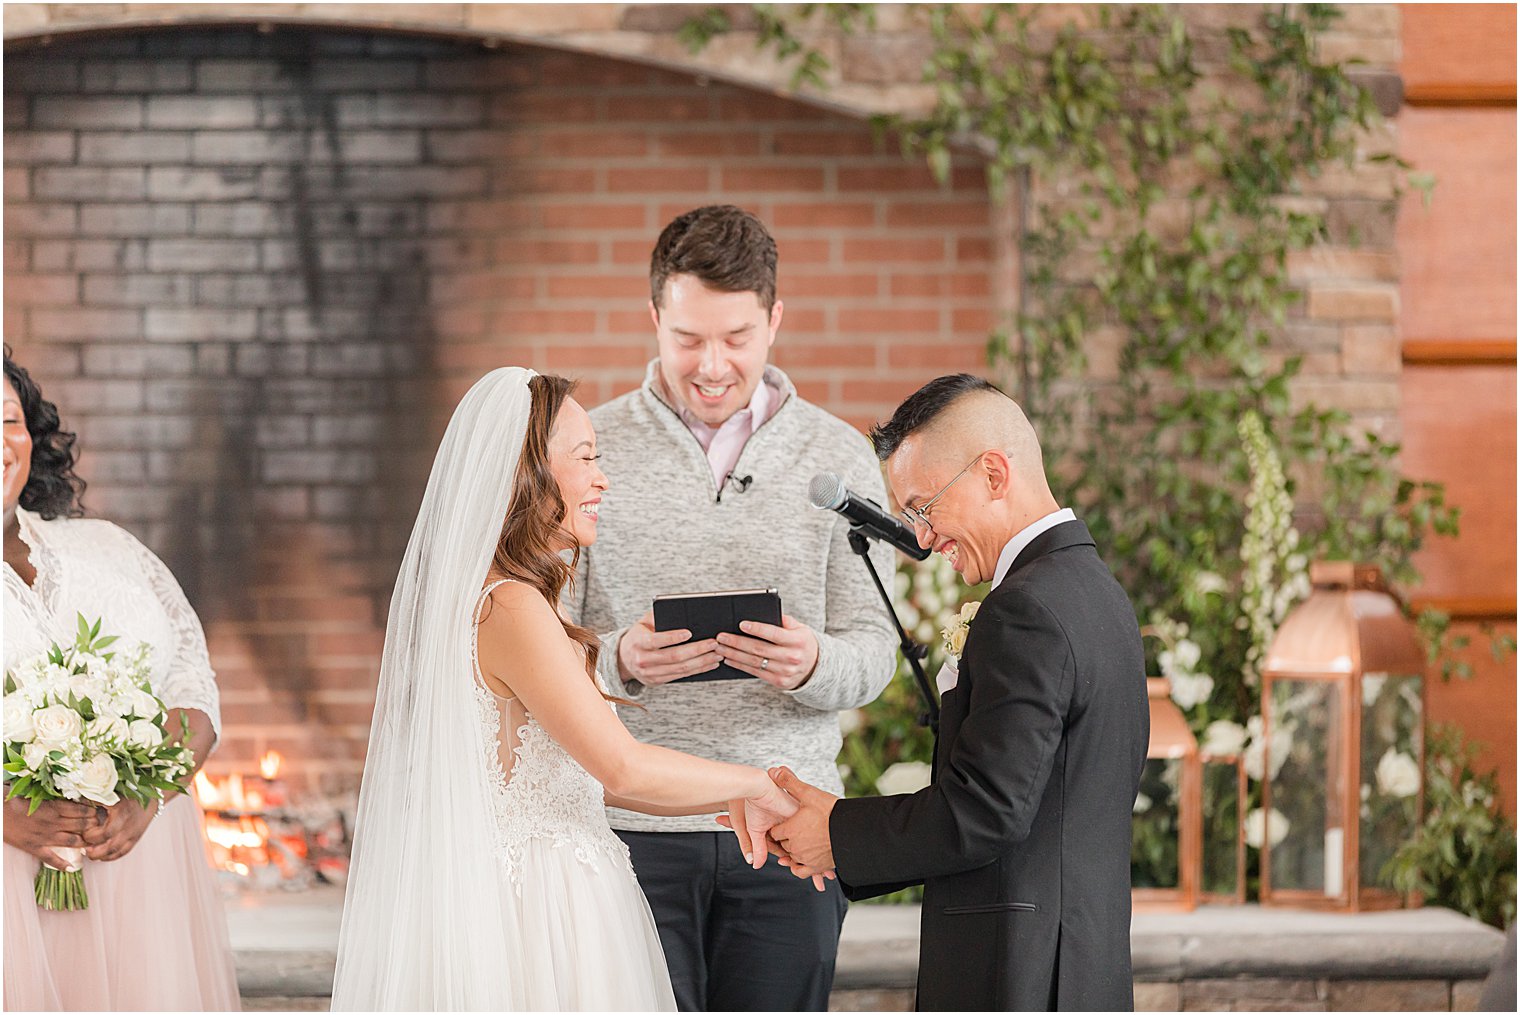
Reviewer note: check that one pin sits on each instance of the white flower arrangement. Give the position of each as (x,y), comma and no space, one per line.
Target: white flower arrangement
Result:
(903,777)
(1398,774)
(1222,738)
(82,723)
(1256,755)
(1179,664)
(953,635)
(1266,827)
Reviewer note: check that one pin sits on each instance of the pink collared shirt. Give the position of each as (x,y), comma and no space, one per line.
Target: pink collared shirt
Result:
(724,443)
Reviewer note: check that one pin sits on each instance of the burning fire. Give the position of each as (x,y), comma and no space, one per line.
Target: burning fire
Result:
(239,838)
(260,839)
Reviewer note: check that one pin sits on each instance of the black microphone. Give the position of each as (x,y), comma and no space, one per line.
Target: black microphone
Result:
(742,482)
(828,491)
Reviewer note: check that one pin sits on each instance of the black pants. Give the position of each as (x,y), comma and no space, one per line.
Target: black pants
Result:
(735,938)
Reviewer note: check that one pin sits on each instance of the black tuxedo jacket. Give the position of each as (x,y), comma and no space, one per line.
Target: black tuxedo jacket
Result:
(1022,840)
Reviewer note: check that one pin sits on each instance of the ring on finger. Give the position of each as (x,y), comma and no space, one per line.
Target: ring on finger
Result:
(765,663)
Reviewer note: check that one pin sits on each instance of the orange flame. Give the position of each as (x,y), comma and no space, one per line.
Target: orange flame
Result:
(269,764)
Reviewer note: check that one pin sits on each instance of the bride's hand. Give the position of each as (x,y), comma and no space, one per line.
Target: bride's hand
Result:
(754,816)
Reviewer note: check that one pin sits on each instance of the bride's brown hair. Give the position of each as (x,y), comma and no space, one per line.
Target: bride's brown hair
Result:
(533,536)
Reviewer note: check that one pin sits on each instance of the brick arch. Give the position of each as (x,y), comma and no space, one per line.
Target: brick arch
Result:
(878,73)
(253,269)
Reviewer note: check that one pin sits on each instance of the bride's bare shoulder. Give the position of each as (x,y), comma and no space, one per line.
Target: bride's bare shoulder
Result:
(515,610)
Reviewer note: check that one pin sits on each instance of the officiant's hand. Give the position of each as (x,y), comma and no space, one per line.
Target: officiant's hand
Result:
(805,835)
(657,657)
(782,656)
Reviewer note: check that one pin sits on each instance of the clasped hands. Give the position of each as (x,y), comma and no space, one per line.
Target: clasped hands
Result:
(104,833)
(790,819)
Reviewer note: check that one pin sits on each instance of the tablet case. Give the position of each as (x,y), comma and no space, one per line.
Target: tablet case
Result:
(705,614)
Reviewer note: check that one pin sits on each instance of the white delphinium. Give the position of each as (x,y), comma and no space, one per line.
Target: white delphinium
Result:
(1274,575)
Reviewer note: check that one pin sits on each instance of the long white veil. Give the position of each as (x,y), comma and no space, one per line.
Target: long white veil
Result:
(422,927)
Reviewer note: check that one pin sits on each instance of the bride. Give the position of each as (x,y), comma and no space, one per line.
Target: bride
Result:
(484,873)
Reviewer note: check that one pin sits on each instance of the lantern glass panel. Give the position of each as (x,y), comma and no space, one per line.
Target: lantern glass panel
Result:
(1221,825)
(1154,861)
(1392,720)
(1306,760)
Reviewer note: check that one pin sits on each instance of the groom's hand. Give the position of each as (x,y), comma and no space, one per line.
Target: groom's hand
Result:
(657,657)
(805,835)
(783,657)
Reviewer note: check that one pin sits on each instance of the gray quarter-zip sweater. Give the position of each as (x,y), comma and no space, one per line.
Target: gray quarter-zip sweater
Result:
(665,528)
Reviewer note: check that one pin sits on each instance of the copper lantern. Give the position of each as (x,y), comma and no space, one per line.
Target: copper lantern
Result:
(1164,854)
(1343,762)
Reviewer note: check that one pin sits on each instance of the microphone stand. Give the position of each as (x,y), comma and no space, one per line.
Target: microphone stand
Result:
(911,650)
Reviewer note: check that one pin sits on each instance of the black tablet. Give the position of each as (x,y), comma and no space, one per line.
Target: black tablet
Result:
(707,614)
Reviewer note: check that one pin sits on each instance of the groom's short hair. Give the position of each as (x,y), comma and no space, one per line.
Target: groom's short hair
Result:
(922,407)
(726,248)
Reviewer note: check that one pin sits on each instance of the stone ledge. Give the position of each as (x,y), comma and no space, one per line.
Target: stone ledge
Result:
(1233,941)
(286,947)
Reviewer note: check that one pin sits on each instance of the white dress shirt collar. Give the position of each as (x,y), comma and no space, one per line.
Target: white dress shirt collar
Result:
(1023,538)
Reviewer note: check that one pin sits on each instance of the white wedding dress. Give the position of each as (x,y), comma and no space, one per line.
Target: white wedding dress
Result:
(588,939)
(484,874)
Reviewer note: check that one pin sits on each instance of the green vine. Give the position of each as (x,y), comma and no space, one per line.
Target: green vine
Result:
(1163,184)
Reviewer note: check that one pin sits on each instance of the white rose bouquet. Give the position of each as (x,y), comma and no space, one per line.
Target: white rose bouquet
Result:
(82,723)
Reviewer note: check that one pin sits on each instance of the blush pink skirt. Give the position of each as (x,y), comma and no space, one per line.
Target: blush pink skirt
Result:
(154,937)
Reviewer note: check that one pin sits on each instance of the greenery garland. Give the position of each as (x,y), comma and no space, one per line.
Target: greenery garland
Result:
(1158,208)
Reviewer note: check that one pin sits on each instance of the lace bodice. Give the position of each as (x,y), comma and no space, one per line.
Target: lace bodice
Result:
(90,566)
(539,790)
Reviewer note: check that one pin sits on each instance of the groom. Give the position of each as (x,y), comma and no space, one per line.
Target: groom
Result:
(1022,840)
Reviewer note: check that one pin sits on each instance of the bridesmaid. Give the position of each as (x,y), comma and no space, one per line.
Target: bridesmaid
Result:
(154,935)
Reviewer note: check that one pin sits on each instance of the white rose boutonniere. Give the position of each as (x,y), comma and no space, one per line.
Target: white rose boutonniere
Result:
(954,634)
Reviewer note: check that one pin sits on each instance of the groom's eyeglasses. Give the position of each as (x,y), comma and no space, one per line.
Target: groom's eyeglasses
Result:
(918,517)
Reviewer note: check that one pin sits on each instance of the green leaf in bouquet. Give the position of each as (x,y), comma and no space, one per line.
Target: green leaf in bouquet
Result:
(109,639)
(10,683)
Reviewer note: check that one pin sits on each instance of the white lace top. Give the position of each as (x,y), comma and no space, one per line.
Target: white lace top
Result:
(90,566)
(540,791)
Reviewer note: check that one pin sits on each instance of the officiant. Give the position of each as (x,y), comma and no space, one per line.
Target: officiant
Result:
(709,463)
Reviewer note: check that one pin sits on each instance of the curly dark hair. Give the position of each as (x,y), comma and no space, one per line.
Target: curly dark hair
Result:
(53,489)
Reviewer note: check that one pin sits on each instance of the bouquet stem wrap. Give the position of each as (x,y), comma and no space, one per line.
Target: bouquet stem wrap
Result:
(62,889)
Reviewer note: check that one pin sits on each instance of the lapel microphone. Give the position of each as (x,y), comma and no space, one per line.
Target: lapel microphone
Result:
(742,482)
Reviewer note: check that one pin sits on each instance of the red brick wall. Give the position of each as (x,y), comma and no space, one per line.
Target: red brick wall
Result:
(254,270)
(1457,288)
